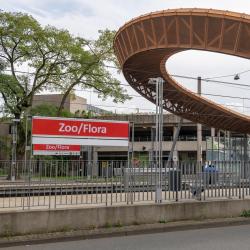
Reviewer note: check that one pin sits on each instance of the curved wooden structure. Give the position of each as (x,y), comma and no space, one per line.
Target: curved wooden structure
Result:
(145,43)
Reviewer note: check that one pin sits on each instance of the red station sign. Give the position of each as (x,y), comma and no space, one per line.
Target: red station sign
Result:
(65,131)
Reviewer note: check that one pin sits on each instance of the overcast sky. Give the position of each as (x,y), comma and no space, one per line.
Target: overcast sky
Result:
(85,18)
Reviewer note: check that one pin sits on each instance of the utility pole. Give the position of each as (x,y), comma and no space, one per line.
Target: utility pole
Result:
(131,143)
(199,129)
(158,135)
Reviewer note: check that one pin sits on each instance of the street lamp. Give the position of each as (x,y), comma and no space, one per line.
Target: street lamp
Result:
(158,133)
(237,77)
(27,147)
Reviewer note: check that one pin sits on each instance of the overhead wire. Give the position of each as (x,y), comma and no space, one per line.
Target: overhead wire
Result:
(186,77)
(223,76)
(139,96)
(191,77)
(146,109)
(173,75)
(178,76)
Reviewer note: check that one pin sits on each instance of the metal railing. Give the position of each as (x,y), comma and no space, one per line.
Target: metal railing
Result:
(168,138)
(55,183)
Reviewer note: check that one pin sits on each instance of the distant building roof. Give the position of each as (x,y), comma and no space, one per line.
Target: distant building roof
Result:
(99,111)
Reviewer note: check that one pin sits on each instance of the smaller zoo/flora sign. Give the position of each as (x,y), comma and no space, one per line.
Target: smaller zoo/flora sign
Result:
(88,132)
(56,149)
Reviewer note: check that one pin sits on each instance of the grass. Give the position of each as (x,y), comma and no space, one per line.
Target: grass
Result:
(162,221)
(118,224)
(3,172)
(108,225)
(136,223)
(7,232)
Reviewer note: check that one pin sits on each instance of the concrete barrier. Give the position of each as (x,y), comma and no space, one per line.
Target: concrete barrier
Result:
(41,221)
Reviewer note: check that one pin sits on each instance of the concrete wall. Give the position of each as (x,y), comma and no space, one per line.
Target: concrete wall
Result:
(54,99)
(77,103)
(37,221)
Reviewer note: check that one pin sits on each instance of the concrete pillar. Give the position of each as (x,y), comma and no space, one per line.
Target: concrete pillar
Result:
(92,160)
(95,161)
(199,142)
(89,161)
(218,133)
(212,142)
(218,142)
(245,170)
(212,132)
(247,148)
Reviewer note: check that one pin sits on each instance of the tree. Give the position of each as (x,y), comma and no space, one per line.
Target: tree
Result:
(96,75)
(50,110)
(56,61)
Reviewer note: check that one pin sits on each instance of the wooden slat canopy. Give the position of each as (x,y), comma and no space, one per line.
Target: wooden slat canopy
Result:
(144,44)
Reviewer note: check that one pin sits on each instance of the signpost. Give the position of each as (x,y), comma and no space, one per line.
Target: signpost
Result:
(70,131)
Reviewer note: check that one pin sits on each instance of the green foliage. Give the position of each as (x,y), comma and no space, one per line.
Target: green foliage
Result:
(92,227)
(5,145)
(7,233)
(49,110)
(118,224)
(162,221)
(11,92)
(56,61)
(108,225)
(245,213)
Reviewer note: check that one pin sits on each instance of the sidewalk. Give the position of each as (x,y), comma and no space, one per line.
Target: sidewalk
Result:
(119,230)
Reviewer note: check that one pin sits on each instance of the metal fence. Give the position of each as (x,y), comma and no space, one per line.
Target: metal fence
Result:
(53,183)
(227,148)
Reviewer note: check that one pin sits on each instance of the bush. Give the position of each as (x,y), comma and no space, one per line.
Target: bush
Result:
(245,213)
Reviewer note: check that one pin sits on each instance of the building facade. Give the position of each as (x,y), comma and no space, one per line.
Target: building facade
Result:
(190,141)
(143,143)
(72,104)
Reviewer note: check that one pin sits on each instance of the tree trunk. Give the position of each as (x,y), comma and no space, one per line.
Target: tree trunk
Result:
(65,95)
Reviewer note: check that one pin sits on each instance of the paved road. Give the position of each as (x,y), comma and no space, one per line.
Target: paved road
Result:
(228,238)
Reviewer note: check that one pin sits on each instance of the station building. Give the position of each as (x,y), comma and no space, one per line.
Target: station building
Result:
(143,145)
(143,124)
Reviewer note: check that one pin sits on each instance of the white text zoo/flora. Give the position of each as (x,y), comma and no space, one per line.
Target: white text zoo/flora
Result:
(85,128)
